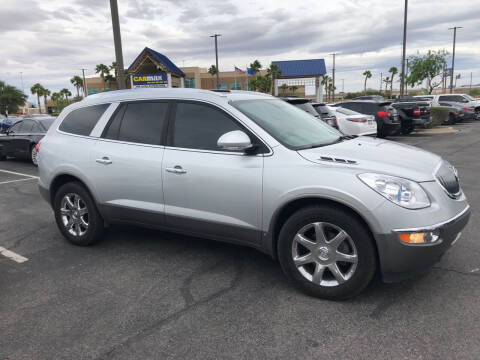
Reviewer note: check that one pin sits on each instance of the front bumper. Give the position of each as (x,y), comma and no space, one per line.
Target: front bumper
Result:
(399,260)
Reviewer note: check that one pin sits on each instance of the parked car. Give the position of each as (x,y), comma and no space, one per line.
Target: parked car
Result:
(370,97)
(458,112)
(463,99)
(21,139)
(304,104)
(254,170)
(326,113)
(6,122)
(412,112)
(386,116)
(353,123)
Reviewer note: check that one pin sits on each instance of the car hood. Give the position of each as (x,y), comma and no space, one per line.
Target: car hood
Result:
(376,155)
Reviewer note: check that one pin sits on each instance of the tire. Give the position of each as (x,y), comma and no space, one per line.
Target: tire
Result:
(33,155)
(451,119)
(71,221)
(407,128)
(355,276)
(2,157)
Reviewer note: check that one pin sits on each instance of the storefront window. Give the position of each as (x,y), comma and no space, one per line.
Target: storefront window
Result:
(92,91)
(222,86)
(190,82)
(236,86)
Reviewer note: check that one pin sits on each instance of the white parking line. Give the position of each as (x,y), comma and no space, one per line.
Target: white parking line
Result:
(19,174)
(12,256)
(11,181)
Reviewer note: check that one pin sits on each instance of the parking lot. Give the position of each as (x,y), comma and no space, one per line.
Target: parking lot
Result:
(144,294)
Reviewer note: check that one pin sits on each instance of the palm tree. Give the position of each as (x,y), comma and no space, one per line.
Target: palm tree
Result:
(274,72)
(284,88)
(293,88)
(255,67)
(386,81)
(325,80)
(103,70)
(212,70)
(65,92)
(45,93)
(77,81)
(114,68)
(393,70)
(330,89)
(110,79)
(11,98)
(368,75)
(37,89)
(55,97)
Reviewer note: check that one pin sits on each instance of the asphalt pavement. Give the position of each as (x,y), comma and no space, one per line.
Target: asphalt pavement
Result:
(143,294)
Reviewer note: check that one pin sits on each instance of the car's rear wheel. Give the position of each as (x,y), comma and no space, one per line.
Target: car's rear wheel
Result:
(327,252)
(76,215)
(34,155)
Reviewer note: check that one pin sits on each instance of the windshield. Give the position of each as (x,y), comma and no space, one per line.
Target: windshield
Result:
(291,126)
(469,97)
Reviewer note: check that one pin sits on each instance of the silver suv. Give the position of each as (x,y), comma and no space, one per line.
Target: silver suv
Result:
(251,169)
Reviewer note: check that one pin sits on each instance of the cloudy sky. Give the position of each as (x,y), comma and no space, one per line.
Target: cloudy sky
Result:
(49,41)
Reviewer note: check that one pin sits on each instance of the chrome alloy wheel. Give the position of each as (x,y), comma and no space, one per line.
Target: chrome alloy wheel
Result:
(34,155)
(324,254)
(74,214)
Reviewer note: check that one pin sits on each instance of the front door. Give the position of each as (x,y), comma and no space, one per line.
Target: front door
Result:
(208,191)
(127,162)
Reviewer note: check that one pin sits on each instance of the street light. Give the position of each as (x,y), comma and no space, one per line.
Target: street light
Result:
(453,55)
(333,76)
(216,54)
(404,46)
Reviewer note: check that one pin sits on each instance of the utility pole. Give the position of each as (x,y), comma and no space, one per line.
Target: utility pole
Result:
(343,88)
(381,81)
(406,76)
(216,54)
(404,46)
(23,90)
(333,77)
(84,83)
(471,81)
(117,39)
(453,56)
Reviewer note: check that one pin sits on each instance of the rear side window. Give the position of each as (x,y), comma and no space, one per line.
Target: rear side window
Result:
(82,121)
(198,126)
(141,123)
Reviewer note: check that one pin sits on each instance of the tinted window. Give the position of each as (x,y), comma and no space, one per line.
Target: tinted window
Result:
(114,127)
(141,122)
(199,126)
(362,108)
(46,123)
(454,98)
(27,126)
(15,128)
(82,121)
(308,108)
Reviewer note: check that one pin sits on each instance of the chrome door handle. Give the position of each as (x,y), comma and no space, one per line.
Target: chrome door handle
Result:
(104,160)
(176,170)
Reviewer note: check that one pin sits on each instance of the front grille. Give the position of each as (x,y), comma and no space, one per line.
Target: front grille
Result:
(448,179)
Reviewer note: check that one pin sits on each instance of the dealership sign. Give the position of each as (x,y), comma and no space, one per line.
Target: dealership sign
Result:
(149,80)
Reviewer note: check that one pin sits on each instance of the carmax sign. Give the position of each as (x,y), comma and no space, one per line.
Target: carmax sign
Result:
(149,80)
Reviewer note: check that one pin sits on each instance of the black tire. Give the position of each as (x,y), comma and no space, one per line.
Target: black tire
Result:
(451,119)
(407,128)
(380,130)
(33,160)
(359,235)
(2,157)
(95,227)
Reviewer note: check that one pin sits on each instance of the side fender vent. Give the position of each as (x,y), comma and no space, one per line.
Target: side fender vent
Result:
(338,160)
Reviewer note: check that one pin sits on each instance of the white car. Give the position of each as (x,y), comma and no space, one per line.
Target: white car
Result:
(351,122)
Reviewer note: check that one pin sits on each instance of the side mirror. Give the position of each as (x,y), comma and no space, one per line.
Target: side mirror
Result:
(234,141)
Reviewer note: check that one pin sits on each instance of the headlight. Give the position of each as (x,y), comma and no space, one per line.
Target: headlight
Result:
(403,192)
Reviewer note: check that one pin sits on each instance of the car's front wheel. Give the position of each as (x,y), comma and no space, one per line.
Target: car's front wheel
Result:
(327,252)
(76,215)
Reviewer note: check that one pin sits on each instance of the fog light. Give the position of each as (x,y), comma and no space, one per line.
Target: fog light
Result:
(419,238)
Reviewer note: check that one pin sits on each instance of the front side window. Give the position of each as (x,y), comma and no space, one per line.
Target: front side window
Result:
(141,122)
(291,126)
(199,126)
(82,121)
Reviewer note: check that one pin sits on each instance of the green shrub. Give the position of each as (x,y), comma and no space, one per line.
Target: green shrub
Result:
(474,92)
(439,116)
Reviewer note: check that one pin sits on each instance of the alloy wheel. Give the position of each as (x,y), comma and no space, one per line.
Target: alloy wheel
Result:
(324,254)
(34,155)
(74,214)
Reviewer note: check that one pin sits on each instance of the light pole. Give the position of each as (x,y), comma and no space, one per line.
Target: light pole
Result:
(404,45)
(216,54)
(333,77)
(381,81)
(406,75)
(343,88)
(117,39)
(21,80)
(453,56)
(84,83)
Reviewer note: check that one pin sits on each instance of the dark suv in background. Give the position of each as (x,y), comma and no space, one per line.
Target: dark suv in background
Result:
(412,112)
(302,103)
(388,122)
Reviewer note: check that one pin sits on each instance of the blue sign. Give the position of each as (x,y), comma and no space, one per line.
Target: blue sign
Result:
(149,80)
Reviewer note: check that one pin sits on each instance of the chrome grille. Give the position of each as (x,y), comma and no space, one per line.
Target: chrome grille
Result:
(447,176)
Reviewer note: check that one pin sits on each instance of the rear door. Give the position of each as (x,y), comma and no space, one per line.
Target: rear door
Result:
(127,163)
(22,140)
(209,191)
(8,140)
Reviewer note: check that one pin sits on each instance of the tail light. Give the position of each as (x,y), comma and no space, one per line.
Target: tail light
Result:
(37,147)
(416,112)
(467,109)
(357,120)
(383,114)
